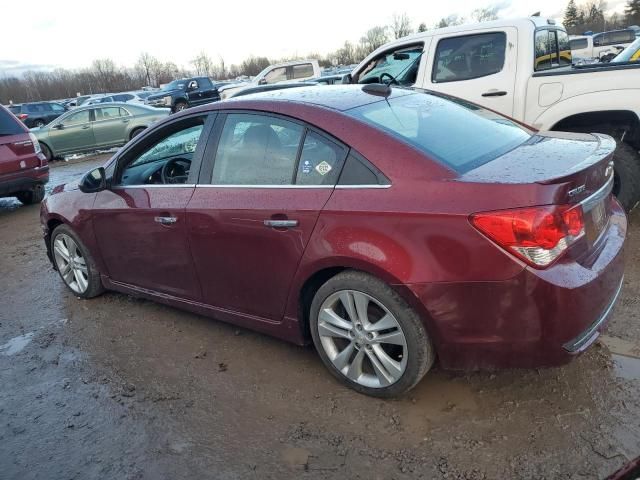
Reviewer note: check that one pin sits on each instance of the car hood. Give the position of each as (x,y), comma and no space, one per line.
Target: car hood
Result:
(164,93)
(66,187)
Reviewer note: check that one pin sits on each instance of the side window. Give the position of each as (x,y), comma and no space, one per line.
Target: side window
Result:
(106,113)
(357,171)
(165,157)
(77,118)
(124,113)
(578,43)
(302,71)
(471,56)
(623,36)
(564,48)
(600,40)
(205,83)
(401,65)
(193,85)
(320,161)
(257,150)
(544,49)
(276,75)
(57,108)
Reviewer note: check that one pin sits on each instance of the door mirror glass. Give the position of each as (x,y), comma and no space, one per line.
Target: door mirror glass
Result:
(193,85)
(58,126)
(94,181)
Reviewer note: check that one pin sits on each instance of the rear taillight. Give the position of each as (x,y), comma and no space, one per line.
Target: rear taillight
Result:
(537,235)
(22,116)
(36,143)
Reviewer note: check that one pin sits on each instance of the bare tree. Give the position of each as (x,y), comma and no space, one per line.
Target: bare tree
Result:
(147,65)
(203,64)
(373,38)
(450,21)
(485,14)
(400,25)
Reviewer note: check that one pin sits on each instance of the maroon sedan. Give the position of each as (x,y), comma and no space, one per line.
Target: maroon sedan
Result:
(388,226)
(23,168)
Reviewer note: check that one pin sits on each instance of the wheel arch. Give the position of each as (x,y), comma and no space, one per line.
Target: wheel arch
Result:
(48,145)
(316,277)
(626,120)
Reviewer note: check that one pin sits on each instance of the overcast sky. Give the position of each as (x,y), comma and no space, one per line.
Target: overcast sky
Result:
(72,33)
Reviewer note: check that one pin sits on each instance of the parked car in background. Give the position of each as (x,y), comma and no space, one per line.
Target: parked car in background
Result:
(629,54)
(127,97)
(38,114)
(329,79)
(297,71)
(184,93)
(602,46)
(269,88)
(385,225)
(74,102)
(522,68)
(89,128)
(23,168)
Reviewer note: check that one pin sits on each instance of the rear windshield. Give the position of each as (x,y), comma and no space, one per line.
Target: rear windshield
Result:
(9,125)
(458,134)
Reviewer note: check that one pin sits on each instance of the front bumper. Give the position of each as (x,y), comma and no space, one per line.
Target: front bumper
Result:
(538,318)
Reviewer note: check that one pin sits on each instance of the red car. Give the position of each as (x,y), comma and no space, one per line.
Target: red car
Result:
(23,168)
(387,226)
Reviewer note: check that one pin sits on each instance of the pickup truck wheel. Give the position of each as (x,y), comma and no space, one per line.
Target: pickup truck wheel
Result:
(626,185)
(29,197)
(179,106)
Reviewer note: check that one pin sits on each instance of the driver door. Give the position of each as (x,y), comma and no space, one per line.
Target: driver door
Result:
(140,223)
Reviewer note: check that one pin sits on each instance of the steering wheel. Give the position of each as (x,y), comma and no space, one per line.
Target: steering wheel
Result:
(392,81)
(175,171)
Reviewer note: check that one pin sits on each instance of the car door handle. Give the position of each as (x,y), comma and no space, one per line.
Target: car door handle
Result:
(281,223)
(86,127)
(494,93)
(165,220)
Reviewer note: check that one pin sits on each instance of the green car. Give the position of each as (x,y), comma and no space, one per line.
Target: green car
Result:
(90,128)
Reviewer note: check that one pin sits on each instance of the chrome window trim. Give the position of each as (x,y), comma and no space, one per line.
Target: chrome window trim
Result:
(154,185)
(374,185)
(291,186)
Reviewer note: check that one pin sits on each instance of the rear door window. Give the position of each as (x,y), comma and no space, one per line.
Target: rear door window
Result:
(302,71)
(106,113)
(456,133)
(470,56)
(578,43)
(320,161)
(9,125)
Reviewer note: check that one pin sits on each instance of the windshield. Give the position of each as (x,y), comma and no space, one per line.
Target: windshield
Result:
(175,85)
(629,54)
(401,65)
(459,134)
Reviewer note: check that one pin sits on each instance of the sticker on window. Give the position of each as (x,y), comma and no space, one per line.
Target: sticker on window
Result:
(306,167)
(323,168)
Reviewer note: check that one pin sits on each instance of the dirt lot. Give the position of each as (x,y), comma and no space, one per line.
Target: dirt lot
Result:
(119,388)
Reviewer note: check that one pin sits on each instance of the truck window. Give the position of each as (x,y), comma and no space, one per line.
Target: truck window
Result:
(276,75)
(304,70)
(552,49)
(399,66)
(469,56)
(205,83)
(613,38)
(578,43)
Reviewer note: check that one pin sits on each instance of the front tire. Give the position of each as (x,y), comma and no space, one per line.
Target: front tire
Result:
(29,197)
(75,263)
(179,107)
(368,337)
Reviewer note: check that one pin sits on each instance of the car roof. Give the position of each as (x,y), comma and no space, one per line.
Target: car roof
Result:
(336,97)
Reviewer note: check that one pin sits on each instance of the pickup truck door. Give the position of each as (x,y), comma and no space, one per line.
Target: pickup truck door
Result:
(478,66)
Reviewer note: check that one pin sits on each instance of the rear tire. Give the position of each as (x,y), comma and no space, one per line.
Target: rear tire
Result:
(400,344)
(39,123)
(135,133)
(29,197)
(46,151)
(627,175)
(74,263)
(179,106)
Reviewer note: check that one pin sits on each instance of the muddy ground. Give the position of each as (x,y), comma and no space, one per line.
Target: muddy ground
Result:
(119,388)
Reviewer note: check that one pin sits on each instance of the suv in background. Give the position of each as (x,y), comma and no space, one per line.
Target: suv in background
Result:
(37,114)
(23,168)
(116,97)
(184,93)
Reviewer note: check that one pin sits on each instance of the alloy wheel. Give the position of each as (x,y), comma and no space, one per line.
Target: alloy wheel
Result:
(362,338)
(71,264)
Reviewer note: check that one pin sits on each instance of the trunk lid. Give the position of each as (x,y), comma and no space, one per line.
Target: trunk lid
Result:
(564,169)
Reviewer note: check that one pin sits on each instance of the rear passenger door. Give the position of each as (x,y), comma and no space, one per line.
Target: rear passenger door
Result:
(479,67)
(109,126)
(255,209)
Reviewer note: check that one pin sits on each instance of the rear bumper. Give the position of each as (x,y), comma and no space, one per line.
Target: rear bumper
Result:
(24,180)
(538,318)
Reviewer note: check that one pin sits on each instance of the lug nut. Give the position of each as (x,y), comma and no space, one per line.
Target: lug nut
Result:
(359,326)
(370,336)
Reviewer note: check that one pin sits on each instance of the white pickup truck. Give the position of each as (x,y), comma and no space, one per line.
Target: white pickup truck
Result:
(296,71)
(522,69)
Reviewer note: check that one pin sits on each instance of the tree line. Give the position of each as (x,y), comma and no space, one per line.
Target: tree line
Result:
(592,17)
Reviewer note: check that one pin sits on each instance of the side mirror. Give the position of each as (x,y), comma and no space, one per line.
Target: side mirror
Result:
(262,81)
(347,79)
(58,126)
(93,181)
